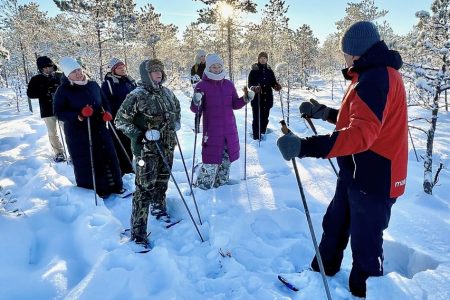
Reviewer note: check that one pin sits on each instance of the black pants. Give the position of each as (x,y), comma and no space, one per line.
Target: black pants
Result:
(363,217)
(265,111)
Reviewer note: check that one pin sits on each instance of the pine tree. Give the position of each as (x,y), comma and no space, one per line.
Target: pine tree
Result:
(223,14)
(125,21)
(274,25)
(16,20)
(360,11)
(94,17)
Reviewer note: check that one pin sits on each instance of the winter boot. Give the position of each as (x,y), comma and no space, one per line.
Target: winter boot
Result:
(60,157)
(158,210)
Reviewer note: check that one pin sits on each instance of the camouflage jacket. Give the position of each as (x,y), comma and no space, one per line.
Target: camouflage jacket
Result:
(149,107)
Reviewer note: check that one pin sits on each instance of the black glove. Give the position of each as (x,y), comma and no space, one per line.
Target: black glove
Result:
(314,109)
(141,139)
(277,87)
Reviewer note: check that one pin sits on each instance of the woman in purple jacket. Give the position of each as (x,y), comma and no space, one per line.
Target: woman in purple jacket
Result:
(215,98)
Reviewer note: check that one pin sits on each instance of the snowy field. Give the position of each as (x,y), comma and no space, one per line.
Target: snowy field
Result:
(56,244)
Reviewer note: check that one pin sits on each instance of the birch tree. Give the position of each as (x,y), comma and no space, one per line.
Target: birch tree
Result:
(432,74)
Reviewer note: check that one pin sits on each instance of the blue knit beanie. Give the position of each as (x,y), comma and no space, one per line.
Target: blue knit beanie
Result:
(359,37)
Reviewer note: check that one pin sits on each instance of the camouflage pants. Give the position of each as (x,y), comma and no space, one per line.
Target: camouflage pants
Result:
(214,175)
(151,185)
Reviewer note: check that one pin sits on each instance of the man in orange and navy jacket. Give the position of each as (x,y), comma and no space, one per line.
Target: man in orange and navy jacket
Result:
(371,146)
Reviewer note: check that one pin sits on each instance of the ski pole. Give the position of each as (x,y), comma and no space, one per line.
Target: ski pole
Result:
(286,130)
(63,142)
(120,143)
(245,146)
(281,101)
(195,147)
(412,143)
(91,153)
(259,119)
(187,176)
(313,128)
(166,163)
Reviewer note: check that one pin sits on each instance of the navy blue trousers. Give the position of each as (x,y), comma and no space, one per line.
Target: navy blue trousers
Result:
(363,217)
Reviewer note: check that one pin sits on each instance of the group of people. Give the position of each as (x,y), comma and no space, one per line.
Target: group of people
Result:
(369,141)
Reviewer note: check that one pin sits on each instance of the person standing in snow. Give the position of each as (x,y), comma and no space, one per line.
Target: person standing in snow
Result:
(371,145)
(197,71)
(75,100)
(149,116)
(116,86)
(199,67)
(216,98)
(261,80)
(43,86)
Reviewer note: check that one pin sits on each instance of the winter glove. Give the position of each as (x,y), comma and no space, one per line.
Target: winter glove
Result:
(177,126)
(107,117)
(277,87)
(289,145)
(248,94)
(195,78)
(141,139)
(152,135)
(314,109)
(197,99)
(256,89)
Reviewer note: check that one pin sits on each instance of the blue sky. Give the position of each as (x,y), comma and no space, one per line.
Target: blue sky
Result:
(319,14)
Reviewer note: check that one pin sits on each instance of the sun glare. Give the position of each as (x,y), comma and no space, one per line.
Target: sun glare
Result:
(225,10)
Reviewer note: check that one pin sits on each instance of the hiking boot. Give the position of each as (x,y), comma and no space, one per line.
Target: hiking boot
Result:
(160,213)
(142,241)
(59,157)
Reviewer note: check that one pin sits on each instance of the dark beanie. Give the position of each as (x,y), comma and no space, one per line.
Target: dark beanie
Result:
(359,37)
(43,62)
(263,54)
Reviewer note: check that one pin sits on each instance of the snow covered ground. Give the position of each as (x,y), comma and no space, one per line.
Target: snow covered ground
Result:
(55,243)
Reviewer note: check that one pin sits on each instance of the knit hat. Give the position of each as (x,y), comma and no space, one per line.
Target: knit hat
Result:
(359,37)
(114,63)
(43,62)
(199,53)
(68,65)
(263,54)
(212,59)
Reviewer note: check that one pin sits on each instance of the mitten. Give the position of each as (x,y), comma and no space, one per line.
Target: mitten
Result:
(314,109)
(107,116)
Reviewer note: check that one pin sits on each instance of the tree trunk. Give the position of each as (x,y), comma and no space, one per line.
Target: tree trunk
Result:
(6,77)
(100,53)
(288,94)
(230,64)
(24,62)
(428,161)
(446,103)
(332,89)
(124,44)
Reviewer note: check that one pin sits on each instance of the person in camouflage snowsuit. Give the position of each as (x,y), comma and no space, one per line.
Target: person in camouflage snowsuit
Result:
(151,107)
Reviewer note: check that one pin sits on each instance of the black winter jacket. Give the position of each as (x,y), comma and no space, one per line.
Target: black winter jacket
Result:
(69,100)
(116,90)
(43,87)
(197,69)
(262,75)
